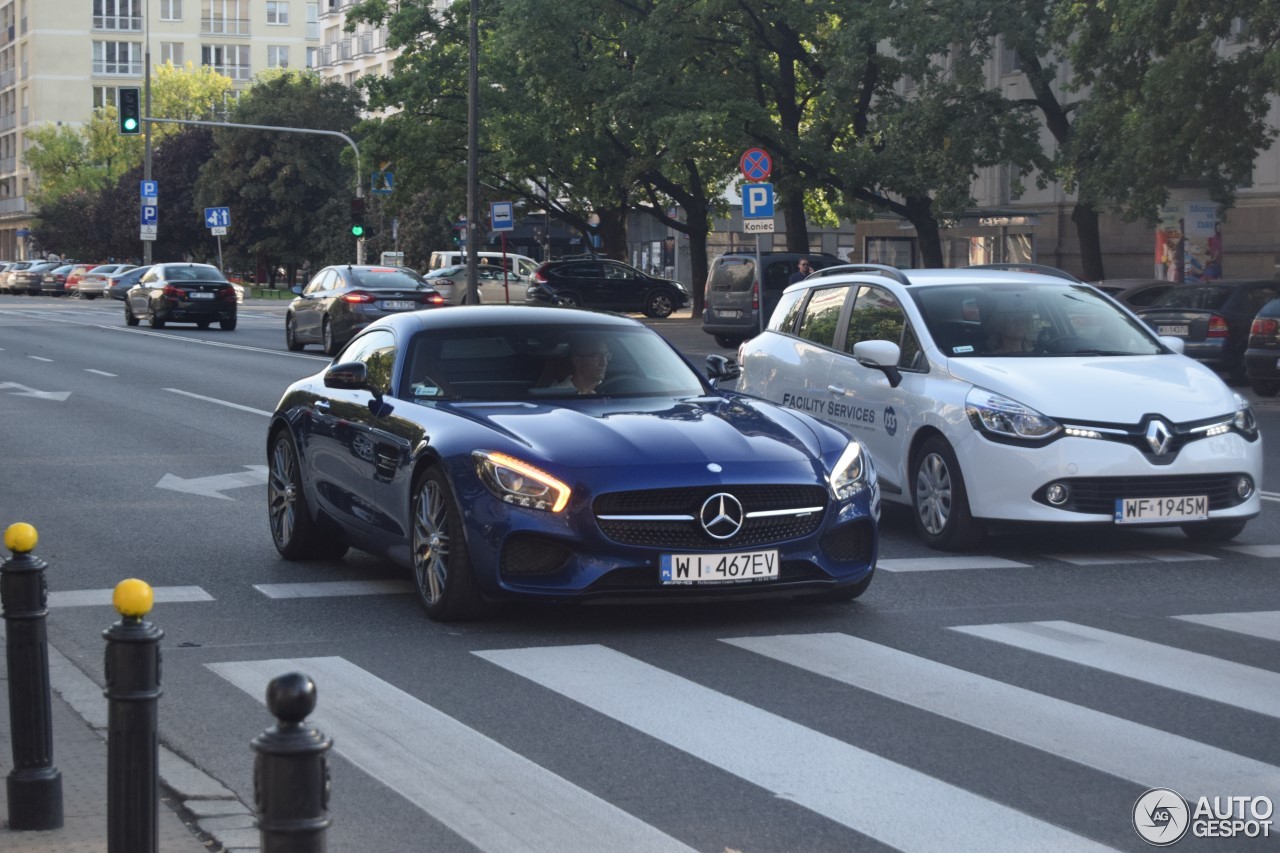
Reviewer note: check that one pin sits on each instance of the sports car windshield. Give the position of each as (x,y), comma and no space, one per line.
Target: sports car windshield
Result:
(519,363)
(1029,321)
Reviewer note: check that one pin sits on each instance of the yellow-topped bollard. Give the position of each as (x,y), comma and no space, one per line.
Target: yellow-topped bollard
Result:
(20,538)
(133,598)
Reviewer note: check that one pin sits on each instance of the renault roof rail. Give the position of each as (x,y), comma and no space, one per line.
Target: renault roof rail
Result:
(1042,269)
(893,272)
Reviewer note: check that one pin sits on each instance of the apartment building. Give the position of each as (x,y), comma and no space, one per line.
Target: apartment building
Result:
(61,59)
(344,57)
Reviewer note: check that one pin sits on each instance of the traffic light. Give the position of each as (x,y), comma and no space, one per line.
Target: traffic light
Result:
(130,111)
(357,217)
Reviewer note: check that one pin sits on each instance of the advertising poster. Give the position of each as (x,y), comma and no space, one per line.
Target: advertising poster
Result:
(1189,242)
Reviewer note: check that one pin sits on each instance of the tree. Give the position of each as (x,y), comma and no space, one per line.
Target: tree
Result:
(288,192)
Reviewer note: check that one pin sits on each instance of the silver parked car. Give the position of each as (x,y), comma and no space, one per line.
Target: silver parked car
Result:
(95,282)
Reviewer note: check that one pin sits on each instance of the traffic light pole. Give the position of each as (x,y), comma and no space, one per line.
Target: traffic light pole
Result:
(354,148)
(146,111)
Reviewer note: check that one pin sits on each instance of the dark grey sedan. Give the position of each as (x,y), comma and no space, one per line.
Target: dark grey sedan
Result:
(340,301)
(182,293)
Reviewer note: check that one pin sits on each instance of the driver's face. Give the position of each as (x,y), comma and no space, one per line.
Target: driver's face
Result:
(592,363)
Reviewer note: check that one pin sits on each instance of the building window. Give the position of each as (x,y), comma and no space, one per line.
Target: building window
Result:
(1010,61)
(117,57)
(230,60)
(123,15)
(897,252)
(171,51)
(277,12)
(171,10)
(277,56)
(105,96)
(311,57)
(225,17)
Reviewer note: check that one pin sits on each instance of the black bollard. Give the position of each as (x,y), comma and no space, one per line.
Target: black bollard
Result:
(291,771)
(132,670)
(34,784)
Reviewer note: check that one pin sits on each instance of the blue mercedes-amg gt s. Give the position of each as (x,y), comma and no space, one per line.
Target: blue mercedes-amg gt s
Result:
(555,454)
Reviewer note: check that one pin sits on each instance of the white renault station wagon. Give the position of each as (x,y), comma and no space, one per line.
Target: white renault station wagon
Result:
(995,395)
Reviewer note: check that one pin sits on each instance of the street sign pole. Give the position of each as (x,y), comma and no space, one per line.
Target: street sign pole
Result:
(221,267)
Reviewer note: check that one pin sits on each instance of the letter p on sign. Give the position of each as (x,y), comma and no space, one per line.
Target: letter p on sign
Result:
(757,201)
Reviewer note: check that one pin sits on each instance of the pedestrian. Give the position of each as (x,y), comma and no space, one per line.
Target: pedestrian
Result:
(802,271)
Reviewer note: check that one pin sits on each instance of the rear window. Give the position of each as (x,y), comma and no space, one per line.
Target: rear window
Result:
(1211,298)
(386,279)
(193,272)
(733,275)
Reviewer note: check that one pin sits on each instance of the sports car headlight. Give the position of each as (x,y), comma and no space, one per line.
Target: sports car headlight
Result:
(1000,416)
(1244,421)
(519,483)
(852,472)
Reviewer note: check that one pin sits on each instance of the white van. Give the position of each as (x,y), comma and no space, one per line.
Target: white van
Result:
(521,265)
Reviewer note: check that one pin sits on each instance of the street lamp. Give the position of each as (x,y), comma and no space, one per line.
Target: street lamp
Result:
(473,153)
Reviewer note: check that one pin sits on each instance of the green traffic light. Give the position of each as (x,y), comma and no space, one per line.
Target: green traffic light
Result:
(131,124)
(357,230)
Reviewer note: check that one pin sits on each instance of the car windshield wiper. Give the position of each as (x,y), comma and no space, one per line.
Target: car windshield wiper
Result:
(1098,352)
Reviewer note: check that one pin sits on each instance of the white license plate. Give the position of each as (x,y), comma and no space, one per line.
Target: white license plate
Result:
(1139,510)
(731,314)
(719,568)
(398,305)
(1180,330)
(200,295)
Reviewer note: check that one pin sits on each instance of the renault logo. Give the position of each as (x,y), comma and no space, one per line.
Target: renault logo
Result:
(721,515)
(1158,437)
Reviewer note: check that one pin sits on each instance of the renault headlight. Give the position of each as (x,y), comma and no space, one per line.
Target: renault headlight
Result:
(1005,418)
(519,483)
(1244,422)
(852,472)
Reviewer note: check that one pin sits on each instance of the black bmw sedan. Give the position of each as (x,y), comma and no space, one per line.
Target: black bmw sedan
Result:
(182,293)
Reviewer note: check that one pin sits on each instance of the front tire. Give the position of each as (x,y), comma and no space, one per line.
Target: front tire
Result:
(938,496)
(227,324)
(129,319)
(1214,531)
(442,572)
(1264,387)
(291,335)
(658,305)
(156,322)
(295,533)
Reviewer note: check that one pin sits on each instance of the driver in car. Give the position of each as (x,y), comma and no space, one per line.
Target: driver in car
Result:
(589,358)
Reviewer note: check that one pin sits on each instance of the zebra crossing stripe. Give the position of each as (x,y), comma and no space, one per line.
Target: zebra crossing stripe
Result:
(1163,555)
(859,789)
(492,797)
(1256,550)
(940,564)
(1264,624)
(102,597)
(1164,666)
(324,589)
(1125,749)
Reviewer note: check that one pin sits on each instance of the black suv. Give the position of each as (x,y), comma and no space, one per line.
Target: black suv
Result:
(732,309)
(605,284)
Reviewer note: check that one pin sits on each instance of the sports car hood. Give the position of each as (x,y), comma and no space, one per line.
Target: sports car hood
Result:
(612,431)
(1116,389)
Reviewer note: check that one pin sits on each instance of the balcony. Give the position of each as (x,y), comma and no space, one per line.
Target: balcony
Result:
(13,205)
(235,72)
(112,23)
(219,26)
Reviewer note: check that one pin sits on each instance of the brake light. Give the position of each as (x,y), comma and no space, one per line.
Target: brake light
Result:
(539,277)
(1264,326)
(227,293)
(755,296)
(356,297)
(1217,327)
(174,292)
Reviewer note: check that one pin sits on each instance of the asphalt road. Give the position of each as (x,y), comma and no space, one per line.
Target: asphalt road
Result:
(928,715)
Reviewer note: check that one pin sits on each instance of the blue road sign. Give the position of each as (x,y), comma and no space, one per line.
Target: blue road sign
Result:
(757,201)
(150,214)
(382,183)
(502,216)
(217,217)
(149,189)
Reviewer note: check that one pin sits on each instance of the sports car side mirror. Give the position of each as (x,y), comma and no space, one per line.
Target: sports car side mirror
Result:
(722,369)
(349,376)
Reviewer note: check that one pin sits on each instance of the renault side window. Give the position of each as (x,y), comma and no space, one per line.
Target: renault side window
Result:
(877,316)
(822,315)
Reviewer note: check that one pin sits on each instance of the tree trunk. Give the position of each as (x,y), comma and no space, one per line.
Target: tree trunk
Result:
(797,225)
(1086,219)
(613,233)
(919,212)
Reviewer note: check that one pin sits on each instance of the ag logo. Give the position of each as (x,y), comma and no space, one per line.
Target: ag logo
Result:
(890,420)
(1160,816)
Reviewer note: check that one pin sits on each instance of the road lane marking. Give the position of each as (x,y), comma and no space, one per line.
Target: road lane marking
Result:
(220,402)
(1264,624)
(1163,555)
(856,788)
(1125,749)
(99,597)
(945,564)
(325,589)
(1256,550)
(99,372)
(38,358)
(493,797)
(1195,674)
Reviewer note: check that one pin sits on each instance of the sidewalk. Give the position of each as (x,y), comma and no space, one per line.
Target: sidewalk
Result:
(196,815)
